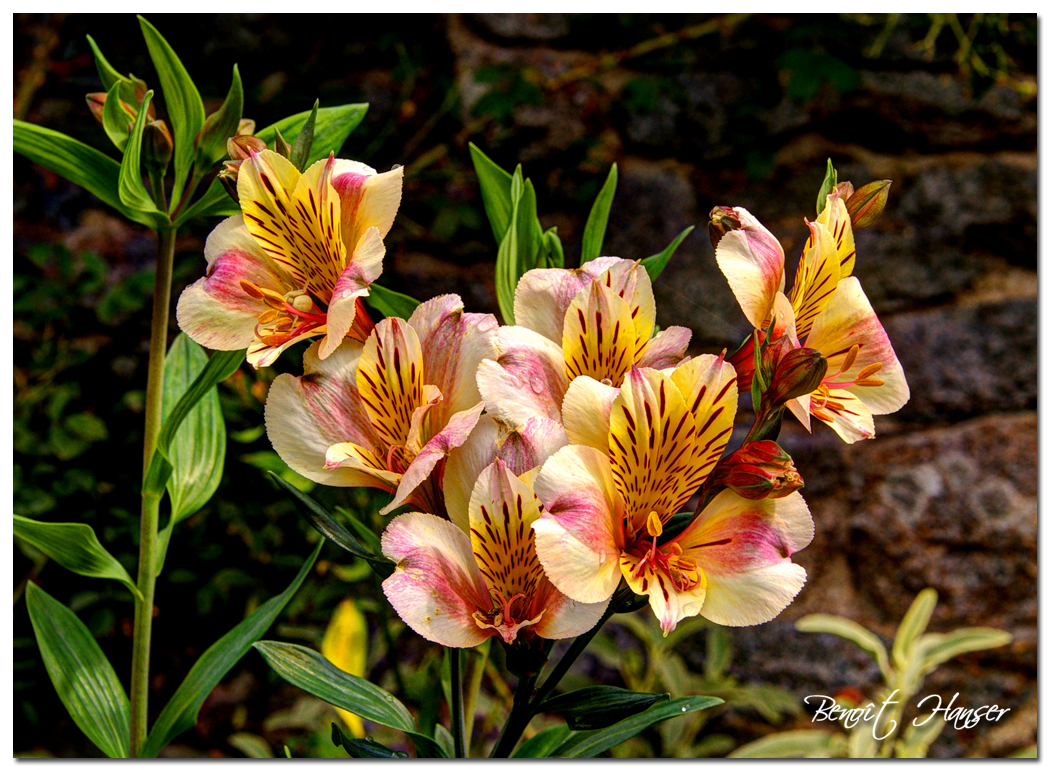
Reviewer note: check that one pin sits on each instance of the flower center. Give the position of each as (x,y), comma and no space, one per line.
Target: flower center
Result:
(287,316)
(826,408)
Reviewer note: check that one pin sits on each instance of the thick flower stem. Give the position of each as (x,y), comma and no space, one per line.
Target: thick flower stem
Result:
(147,561)
(517,721)
(573,652)
(455,657)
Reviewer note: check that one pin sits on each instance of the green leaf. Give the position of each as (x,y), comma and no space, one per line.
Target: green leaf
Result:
(106,71)
(312,672)
(220,126)
(215,202)
(300,151)
(198,449)
(542,743)
(85,681)
(75,547)
(830,181)
(182,100)
(939,648)
(555,252)
(913,625)
(792,743)
(115,121)
(250,745)
(1027,752)
(333,125)
(592,708)
(366,748)
(655,263)
(82,165)
(391,303)
(325,523)
(506,258)
(180,713)
(594,232)
(593,742)
(371,540)
(917,739)
(850,631)
(495,192)
(133,193)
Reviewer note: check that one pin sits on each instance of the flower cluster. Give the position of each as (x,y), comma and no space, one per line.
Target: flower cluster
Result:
(550,463)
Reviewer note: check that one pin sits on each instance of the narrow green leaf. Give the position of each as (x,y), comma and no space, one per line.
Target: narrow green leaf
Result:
(368,749)
(792,743)
(391,303)
(182,100)
(82,165)
(106,71)
(180,713)
(506,258)
(593,742)
(300,150)
(936,649)
(917,739)
(74,546)
(115,121)
(312,672)
(830,180)
(861,741)
(85,681)
(555,252)
(542,743)
(333,125)
(250,745)
(597,222)
(913,625)
(655,263)
(370,540)
(850,631)
(133,193)
(495,191)
(215,202)
(592,708)
(220,126)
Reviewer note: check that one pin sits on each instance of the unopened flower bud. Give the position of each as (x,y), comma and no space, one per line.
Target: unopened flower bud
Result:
(241,146)
(757,470)
(844,190)
(798,372)
(867,203)
(96,102)
(246,127)
(157,145)
(281,145)
(228,178)
(743,362)
(722,220)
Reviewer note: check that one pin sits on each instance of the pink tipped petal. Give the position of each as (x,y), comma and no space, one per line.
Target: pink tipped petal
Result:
(845,414)
(542,296)
(368,199)
(579,537)
(436,587)
(524,378)
(565,618)
(454,434)
(752,260)
(666,349)
(526,448)
(587,410)
(365,266)
(465,463)
(750,598)
(630,281)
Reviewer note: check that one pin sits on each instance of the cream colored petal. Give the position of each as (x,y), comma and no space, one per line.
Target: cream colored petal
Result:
(368,199)
(669,605)
(845,414)
(542,296)
(524,378)
(708,385)
(752,260)
(365,266)
(587,410)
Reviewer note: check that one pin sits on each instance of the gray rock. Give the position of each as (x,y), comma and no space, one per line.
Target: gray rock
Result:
(530,26)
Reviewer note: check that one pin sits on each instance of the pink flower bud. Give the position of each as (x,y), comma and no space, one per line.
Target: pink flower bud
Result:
(867,203)
(797,372)
(757,470)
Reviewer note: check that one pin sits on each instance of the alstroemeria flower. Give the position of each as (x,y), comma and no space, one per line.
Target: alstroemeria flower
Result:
(637,457)
(462,581)
(295,263)
(826,311)
(595,321)
(384,413)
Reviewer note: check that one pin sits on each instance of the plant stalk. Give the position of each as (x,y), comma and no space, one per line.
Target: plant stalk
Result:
(147,560)
(517,721)
(573,652)
(458,727)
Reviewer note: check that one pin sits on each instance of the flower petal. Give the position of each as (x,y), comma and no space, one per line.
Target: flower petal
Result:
(587,411)
(306,415)
(390,379)
(364,267)
(564,618)
(669,605)
(524,378)
(752,260)
(743,548)
(367,199)
(542,296)
(708,385)
(835,217)
(436,587)
(526,448)
(818,274)
(599,338)
(849,417)
(631,282)
(579,536)
(666,349)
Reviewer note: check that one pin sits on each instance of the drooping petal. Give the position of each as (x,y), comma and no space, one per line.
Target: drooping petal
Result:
(752,260)
(436,587)
(367,199)
(666,349)
(587,411)
(849,417)
(669,604)
(818,274)
(579,536)
(743,548)
(651,447)
(599,339)
(708,385)
(850,320)
(390,378)
(306,415)
(542,296)
(526,448)
(347,456)
(260,354)
(524,378)
(453,344)
(365,266)
(564,618)
(835,217)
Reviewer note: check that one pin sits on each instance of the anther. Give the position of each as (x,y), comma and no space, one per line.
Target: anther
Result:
(654,525)
(867,371)
(850,358)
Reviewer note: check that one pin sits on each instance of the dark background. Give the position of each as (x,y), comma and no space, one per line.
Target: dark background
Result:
(697,111)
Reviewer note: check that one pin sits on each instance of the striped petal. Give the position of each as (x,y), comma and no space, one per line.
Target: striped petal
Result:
(708,385)
(542,296)
(365,266)
(367,199)
(599,338)
(390,379)
(580,534)
(849,417)
(631,282)
(666,349)
(587,412)
(669,604)
(524,378)
(835,217)
(436,587)
(818,274)
(752,260)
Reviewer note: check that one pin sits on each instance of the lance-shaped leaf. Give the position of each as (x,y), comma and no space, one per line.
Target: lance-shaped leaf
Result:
(592,708)
(86,683)
(311,672)
(364,748)
(391,303)
(850,631)
(133,193)
(106,71)
(542,743)
(182,99)
(115,121)
(939,648)
(506,273)
(180,713)
(655,263)
(830,181)
(593,742)
(495,191)
(300,151)
(82,165)
(913,625)
(597,222)
(793,743)
(75,546)
(220,126)
(555,253)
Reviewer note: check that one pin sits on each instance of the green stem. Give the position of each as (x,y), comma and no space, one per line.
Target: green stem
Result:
(458,728)
(473,688)
(147,561)
(573,652)
(517,721)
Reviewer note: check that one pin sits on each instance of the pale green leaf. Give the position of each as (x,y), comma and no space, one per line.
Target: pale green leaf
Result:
(133,193)
(936,649)
(792,743)
(657,262)
(913,625)
(115,122)
(850,631)
(597,222)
